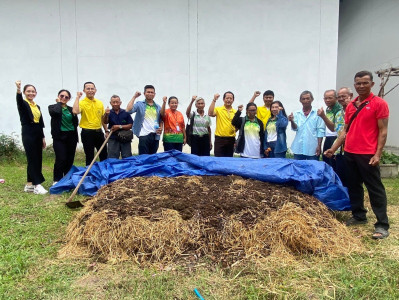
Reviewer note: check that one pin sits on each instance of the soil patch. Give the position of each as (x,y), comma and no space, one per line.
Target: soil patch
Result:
(207,197)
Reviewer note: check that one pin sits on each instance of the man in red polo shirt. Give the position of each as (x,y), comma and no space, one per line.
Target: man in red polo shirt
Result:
(365,138)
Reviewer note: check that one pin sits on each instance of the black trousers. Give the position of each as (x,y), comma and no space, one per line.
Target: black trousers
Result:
(328,142)
(32,139)
(341,169)
(64,148)
(359,171)
(172,146)
(224,146)
(148,144)
(200,145)
(93,139)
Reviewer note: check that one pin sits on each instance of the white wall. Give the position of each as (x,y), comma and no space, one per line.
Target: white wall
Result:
(368,40)
(183,48)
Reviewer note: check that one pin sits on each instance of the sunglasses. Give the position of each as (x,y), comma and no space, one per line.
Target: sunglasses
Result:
(63,96)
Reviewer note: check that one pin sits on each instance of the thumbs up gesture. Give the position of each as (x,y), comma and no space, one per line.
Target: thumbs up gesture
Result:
(320,112)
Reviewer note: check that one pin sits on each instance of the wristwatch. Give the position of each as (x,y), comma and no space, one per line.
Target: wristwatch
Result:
(120,126)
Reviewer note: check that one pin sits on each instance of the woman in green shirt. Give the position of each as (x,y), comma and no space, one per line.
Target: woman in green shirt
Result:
(65,135)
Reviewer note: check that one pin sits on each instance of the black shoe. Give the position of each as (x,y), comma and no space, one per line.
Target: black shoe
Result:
(353,221)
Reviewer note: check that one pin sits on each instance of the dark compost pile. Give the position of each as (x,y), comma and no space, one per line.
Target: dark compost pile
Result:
(229,218)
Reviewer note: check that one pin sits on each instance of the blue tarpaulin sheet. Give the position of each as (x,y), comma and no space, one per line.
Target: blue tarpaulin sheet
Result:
(312,177)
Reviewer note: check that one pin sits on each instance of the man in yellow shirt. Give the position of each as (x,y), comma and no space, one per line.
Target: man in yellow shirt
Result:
(225,134)
(92,111)
(263,112)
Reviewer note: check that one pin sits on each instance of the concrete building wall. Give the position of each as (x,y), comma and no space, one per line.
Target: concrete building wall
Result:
(368,41)
(182,47)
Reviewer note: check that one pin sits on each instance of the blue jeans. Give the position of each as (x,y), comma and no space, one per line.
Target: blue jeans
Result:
(272,154)
(305,157)
(148,144)
(116,148)
(280,154)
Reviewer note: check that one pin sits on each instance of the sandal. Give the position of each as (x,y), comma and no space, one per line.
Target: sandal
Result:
(380,233)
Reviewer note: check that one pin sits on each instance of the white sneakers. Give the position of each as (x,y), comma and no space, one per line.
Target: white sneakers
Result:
(29,188)
(36,189)
(39,190)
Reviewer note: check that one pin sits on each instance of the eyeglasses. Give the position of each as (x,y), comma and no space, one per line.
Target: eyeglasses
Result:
(63,96)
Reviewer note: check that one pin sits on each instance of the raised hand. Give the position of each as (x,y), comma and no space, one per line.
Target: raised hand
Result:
(257,93)
(137,94)
(320,112)
(240,107)
(291,117)
(164,99)
(107,110)
(79,94)
(193,98)
(18,84)
(216,97)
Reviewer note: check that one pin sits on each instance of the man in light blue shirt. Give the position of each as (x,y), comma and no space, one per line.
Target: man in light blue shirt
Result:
(310,130)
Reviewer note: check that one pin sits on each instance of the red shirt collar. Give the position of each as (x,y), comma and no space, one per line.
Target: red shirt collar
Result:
(371,96)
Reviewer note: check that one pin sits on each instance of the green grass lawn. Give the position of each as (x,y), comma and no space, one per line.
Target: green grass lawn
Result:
(32,229)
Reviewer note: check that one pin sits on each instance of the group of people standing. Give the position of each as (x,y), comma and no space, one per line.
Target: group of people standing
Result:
(261,133)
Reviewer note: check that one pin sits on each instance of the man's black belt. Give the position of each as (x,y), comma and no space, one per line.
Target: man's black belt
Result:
(92,130)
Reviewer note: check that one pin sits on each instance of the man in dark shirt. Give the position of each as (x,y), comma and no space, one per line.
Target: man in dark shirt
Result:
(117,119)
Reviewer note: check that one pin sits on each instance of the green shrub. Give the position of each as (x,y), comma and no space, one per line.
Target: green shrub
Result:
(10,147)
(389,158)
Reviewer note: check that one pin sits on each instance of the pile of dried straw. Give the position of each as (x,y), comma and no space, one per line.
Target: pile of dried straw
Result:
(227,218)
